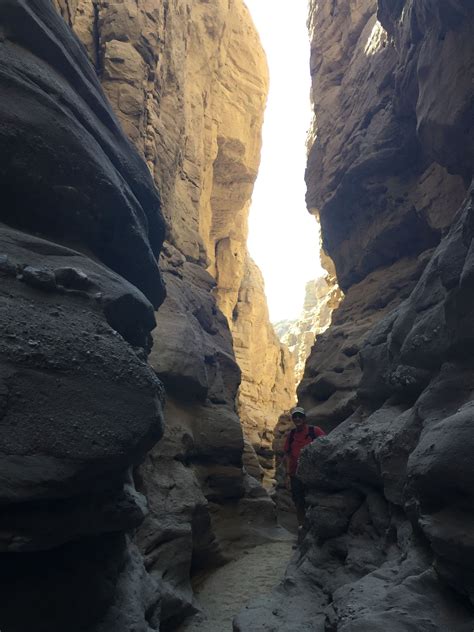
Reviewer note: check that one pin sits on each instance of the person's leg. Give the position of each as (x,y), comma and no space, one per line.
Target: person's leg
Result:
(297,493)
(300,513)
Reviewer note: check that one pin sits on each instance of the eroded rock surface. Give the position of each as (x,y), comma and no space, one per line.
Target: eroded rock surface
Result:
(383,196)
(322,296)
(267,387)
(79,406)
(370,176)
(389,489)
(332,374)
(188,81)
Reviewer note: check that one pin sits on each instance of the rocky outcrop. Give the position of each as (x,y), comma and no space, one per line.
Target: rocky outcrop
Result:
(196,117)
(79,406)
(369,177)
(322,296)
(382,198)
(332,374)
(267,387)
(188,82)
(389,489)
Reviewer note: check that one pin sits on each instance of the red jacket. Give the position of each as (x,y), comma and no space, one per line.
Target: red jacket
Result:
(300,438)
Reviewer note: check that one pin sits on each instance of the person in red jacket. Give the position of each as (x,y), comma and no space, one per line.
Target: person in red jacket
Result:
(300,436)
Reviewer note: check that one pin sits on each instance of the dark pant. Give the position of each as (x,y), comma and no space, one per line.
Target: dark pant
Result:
(297,493)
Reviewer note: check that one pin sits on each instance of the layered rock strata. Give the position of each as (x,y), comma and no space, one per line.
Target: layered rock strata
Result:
(390,493)
(188,82)
(80,231)
(322,296)
(381,197)
(267,367)
(332,374)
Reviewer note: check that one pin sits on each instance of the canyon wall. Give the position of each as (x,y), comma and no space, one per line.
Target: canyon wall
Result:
(382,199)
(322,297)
(80,231)
(188,82)
(267,366)
(389,518)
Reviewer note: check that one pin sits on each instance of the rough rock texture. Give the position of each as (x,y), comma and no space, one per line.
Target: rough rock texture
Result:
(188,81)
(197,467)
(369,177)
(390,512)
(328,390)
(79,406)
(382,198)
(282,495)
(322,296)
(267,387)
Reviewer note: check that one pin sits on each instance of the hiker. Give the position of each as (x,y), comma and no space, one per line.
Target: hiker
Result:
(300,436)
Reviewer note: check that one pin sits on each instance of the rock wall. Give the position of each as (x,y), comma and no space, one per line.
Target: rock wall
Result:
(322,297)
(381,197)
(267,387)
(188,81)
(389,490)
(80,231)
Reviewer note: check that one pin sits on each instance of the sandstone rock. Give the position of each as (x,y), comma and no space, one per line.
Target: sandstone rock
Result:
(102,198)
(282,495)
(444,58)
(332,375)
(195,112)
(267,368)
(188,83)
(199,460)
(367,180)
(322,297)
(386,544)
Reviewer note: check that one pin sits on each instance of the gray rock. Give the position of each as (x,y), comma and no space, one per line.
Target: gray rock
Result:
(77,176)
(78,406)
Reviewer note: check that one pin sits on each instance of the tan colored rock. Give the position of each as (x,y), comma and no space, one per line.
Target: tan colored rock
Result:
(367,175)
(322,297)
(83,16)
(188,81)
(381,200)
(392,377)
(267,366)
(190,94)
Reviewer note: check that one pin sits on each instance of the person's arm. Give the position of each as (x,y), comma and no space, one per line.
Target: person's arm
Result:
(286,461)
(319,432)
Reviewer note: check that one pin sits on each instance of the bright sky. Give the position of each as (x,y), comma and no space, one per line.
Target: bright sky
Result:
(283,237)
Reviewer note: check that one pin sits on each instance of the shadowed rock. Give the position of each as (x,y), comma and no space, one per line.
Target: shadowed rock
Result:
(81,229)
(66,169)
(390,498)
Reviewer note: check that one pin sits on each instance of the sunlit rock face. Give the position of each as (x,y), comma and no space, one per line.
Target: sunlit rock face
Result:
(322,296)
(267,387)
(80,231)
(390,505)
(188,81)
(382,199)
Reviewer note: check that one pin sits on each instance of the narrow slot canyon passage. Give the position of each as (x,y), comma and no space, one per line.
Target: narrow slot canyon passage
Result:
(231,404)
(284,241)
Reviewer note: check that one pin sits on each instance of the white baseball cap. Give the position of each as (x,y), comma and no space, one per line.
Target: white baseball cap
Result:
(298,411)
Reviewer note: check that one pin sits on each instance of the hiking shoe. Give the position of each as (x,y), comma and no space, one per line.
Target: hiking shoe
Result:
(301,534)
